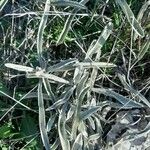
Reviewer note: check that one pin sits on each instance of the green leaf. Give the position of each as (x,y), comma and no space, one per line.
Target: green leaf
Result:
(68,22)
(62,130)
(88,113)
(141,14)
(93,137)
(68,3)
(95,64)
(64,65)
(77,145)
(50,122)
(42,123)
(82,83)
(130,17)
(19,67)
(136,93)
(6,131)
(101,40)
(126,102)
(2,4)
(41,31)
(63,100)
(143,50)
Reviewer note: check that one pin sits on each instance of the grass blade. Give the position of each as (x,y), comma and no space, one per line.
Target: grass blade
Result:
(19,67)
(136,93)
(55,78)
(126,102)
(68,3)
(101,40)
(141,14)
(42,123)
(50,123)
(77,145)
(68,23)
(82,84)
(41,30)
(143,50)
(130,17)
(2,4)
(95,64)
(63,100)
(48,89)
(64,65)
(88,113)
(62,130)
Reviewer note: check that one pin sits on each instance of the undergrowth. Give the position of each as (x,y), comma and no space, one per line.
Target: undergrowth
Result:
(74,74)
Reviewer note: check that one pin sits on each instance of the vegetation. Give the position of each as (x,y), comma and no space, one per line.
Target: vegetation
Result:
(74,74)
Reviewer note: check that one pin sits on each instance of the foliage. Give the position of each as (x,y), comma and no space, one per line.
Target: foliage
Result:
(74,74)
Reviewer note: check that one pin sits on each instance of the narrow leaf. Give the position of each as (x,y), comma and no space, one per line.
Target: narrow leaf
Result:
(77,145)
(62,130)
(136,93)
(126,102)
(40,32)
(130,17)
(19,67)
(68,3)
(101,40)
(2,4)
(50,123)
(63,100)
(143,50)
(95,64)
(141,14)
(42,123)
(68,23)
(86,114)
(64,65)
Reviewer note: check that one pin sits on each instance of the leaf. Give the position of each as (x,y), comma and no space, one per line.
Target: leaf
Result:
(41,74)
(55,144)
(48,89)
(101,40)
(91,122)
(136,93)
(50,123)
(81,83)
(19,67)
(82,94)
(42,123)
(95,64)
(93,137)
(68,3)
(41,31)
(130,17)
(83,129)
(2,4)
(64,65)
(126,102)
(70,112)
(86,114)
(77,145)
(35,95)
(6,131)
(141,14)
(143,50)
(62,130)
(77,74)
(63,100)
(68,23)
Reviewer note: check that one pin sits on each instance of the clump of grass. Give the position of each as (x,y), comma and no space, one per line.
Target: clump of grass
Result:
(70,97)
